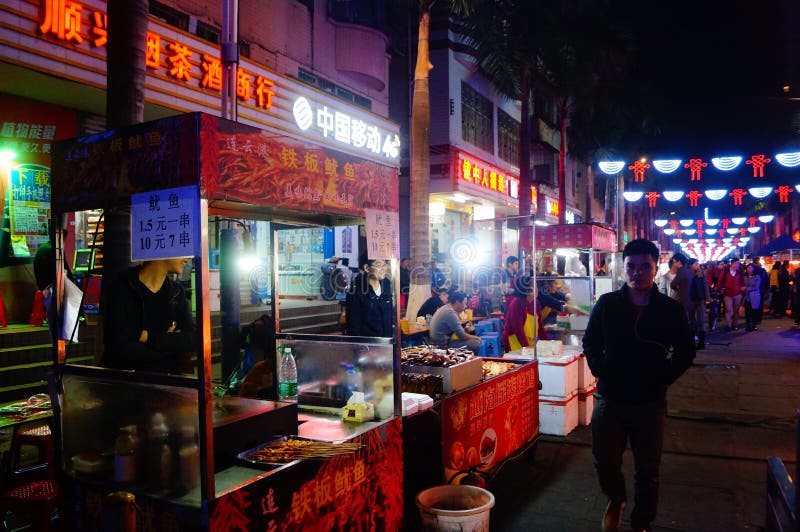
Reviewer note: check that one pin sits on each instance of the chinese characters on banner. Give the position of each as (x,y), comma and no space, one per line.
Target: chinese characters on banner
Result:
(485,424)
(164,223)
(383,242)
(29,207)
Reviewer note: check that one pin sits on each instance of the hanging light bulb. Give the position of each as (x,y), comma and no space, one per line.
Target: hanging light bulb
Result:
(632,196)
(739,220)
(669,231)
(673,195)
(660,223)
(789,160)
(611,167)
(760,192)
(766,218)
(689,231)
(754,230)
(711,231)
(716,194)
(667,166)
(732,231)
(686,223)
(726,164)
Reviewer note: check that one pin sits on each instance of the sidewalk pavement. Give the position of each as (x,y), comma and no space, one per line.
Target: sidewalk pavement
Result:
(735,407)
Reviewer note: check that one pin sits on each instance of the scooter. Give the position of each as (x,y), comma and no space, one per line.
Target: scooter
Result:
(335,279)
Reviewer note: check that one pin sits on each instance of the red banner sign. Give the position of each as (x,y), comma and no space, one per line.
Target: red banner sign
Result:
(485,424)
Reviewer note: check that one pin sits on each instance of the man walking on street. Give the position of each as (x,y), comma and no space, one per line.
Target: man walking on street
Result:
(637,343)
(681,283)
(731,284)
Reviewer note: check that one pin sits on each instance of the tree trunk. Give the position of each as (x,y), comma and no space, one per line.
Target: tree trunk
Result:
(562,153)
(420,288)
(125,73)
(525,178)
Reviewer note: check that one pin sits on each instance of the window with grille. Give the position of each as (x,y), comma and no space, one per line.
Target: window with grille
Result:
(476,118)
(507,137)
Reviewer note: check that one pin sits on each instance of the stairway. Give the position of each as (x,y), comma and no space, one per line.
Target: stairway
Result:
(26,357)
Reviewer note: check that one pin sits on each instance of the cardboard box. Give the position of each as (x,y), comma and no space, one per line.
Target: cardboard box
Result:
(585,406)
(558,415)
(586,380)
(454,378)
(559,376)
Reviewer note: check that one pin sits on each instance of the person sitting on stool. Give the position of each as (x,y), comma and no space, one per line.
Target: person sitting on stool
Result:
(446,330)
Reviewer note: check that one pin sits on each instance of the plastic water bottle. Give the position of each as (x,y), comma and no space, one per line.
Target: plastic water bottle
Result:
(287,376)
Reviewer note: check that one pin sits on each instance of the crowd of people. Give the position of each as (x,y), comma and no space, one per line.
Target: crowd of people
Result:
(714,290)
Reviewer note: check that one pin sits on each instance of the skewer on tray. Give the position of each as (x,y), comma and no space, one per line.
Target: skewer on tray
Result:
(289,450)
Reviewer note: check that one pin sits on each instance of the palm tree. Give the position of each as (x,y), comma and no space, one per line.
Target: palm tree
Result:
(504,36)
(419,288)
(125,75)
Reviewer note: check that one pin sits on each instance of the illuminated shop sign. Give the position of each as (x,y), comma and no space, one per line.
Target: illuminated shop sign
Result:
(486,177)
(330,123)
(192,65)
(65,21)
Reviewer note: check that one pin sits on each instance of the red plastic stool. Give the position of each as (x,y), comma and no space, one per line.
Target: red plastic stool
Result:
(38,313)
(2,313)
(40,437)
(37,499)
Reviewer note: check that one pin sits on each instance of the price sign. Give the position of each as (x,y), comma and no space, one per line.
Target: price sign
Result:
(382,238)
(164,223)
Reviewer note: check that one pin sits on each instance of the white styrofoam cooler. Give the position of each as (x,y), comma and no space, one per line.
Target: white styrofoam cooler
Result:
(586,381)
(585,406)
(558,415)
(559,375)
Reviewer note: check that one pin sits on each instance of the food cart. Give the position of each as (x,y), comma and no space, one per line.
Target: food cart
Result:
(193,454)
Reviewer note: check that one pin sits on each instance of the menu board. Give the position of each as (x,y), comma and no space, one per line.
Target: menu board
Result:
(164,223)
(382,239)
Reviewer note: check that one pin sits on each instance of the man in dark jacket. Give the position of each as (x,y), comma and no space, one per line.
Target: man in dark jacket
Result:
(637,343)
(148,324)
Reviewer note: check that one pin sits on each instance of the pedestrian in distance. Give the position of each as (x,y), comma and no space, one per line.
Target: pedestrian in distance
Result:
(752,298)
(445,328)
(637,343)
(784,289)
(438,280)
(699,296)
(731,284)
(796,297)
(681,283)
(508,278)
(764,288)
(432,304)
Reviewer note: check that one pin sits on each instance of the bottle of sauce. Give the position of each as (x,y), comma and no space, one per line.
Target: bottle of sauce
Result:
(159,456)
(125,456)
(188,459)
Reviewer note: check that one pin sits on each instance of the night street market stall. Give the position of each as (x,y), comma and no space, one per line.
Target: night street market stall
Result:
(236,456)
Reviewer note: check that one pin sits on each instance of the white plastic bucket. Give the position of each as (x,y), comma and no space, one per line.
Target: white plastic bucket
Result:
(459,508)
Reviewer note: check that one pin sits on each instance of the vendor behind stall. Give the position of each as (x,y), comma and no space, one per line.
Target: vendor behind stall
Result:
(520,329)
(553,299)
(148,324)
(369,302)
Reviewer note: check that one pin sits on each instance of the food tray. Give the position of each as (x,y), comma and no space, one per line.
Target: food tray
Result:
(454,378)
(243,457)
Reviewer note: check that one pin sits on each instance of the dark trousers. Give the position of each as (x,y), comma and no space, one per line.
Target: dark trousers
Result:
(613,425)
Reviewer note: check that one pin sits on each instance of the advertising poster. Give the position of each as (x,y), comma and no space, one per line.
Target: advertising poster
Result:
(486,424)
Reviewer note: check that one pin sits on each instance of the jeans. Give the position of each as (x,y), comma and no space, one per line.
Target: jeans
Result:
(732,304)
(697,316)
(613,425)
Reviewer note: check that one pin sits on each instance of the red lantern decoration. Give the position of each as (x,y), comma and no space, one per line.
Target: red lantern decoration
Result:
(743,231)
(673,224)
(652,197)
(737,194)
(783,193)
(758,162)
(725,223)
(699,224)
(693,196)
(695,166)
(752,221)
(638,171)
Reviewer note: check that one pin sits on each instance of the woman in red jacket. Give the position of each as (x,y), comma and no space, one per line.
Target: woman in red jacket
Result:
(520,330)
(731,284)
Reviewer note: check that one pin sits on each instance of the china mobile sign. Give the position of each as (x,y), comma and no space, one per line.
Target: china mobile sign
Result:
(190,69)
(330,123)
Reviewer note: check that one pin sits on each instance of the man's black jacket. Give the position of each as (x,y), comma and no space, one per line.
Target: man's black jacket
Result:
(637,358)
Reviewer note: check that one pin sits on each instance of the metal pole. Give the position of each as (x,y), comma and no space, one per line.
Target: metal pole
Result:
(229,56)
(620,186)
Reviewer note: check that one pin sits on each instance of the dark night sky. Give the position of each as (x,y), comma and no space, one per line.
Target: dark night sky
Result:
(715,70)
